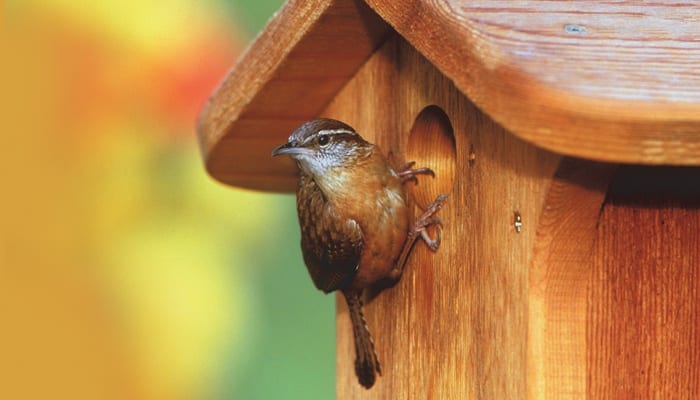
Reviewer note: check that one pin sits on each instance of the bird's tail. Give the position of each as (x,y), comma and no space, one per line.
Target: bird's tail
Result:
(366,362)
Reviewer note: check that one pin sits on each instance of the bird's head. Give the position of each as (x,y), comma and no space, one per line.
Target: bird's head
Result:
(321,145)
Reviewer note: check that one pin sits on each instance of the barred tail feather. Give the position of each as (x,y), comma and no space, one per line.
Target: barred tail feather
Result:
(366,362)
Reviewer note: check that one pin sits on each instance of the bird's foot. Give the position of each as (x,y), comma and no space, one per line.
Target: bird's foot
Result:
(428,219)
(406,173)
(419,229)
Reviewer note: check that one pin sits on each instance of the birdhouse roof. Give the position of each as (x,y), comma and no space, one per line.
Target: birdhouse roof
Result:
(598,80)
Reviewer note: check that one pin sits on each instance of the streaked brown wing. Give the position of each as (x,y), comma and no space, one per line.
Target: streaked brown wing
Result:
(332,255)
(330,243)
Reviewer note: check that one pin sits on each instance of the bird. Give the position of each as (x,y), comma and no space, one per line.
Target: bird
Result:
(356,223)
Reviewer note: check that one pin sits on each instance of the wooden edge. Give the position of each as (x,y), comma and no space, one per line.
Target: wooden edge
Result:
(559,275)
(302,58)
(253,71)
(569,124)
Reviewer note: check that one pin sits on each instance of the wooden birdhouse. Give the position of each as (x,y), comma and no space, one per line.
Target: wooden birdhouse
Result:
(567,135)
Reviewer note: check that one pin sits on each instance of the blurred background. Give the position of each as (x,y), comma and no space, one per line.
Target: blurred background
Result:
(125,271)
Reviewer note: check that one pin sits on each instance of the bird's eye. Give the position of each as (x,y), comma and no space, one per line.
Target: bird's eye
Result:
(323,140)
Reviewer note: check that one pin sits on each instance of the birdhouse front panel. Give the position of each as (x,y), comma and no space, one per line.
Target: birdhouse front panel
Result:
(442,330)
(561,273)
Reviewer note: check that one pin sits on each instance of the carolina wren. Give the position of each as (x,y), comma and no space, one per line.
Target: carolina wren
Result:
(355,220)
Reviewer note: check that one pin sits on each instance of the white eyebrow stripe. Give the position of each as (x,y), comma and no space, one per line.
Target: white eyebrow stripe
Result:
(328,132)
(336,132)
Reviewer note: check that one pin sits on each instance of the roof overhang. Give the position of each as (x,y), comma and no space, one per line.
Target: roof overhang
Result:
(609,82)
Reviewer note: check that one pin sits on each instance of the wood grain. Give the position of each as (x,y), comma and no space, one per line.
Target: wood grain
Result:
(612,81)
(644,301)
(307,52)
(578,304)
(455,326)
(559,277)
(625,90)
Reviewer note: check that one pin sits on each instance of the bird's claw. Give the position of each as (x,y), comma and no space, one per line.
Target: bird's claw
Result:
(433,244)
(428,219)
(406,173)
(419,229)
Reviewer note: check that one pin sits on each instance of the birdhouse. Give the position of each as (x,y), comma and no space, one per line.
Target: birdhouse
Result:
(567,135)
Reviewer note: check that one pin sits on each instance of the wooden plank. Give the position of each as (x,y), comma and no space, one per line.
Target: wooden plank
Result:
(558,74)
(559,278)
(644,301)
(455,326)
(288,74)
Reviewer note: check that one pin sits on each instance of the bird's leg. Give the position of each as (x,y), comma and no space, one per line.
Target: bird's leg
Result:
(419,229)
(406,173)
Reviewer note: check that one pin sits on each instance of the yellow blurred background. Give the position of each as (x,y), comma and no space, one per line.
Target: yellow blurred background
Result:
(125,271)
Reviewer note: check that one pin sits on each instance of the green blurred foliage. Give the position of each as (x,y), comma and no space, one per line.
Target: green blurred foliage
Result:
(294,353)
(130,273)
(252,14)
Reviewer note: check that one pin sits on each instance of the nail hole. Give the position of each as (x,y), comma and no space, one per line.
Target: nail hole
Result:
(431,144)
(576,29)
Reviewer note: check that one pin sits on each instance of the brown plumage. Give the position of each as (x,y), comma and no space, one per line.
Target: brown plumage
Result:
(354,218)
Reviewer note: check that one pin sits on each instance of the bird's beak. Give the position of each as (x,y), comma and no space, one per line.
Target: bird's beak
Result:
(291,148)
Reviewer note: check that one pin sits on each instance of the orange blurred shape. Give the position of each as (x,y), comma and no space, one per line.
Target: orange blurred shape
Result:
(95,82)
(60,340)
(183,81)
(60,335)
